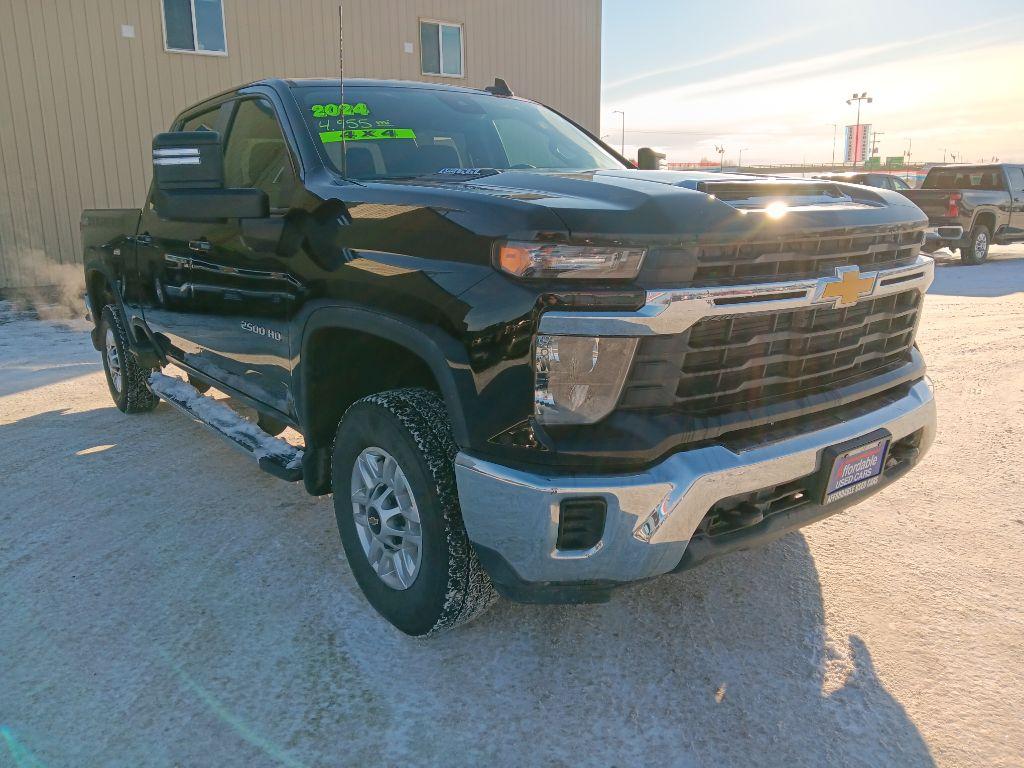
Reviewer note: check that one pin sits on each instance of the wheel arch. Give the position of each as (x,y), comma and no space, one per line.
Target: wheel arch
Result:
(987,219)
(395,352)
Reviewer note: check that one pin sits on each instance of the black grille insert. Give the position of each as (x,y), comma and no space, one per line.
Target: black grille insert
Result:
(780,260)
(733,363)
(581,522)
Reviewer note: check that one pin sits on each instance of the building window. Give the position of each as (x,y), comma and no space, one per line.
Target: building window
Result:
(441,49)
(195,26)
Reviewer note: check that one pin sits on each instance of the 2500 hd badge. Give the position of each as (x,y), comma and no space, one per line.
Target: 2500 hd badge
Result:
(260,330)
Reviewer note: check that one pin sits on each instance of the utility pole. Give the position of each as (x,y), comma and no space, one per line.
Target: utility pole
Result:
(721,156)
(835,130)
(739,166)
(906,162)
(874,142)
(858,97)
(622,145)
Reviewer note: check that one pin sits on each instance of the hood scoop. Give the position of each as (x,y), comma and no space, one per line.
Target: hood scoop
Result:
(762,192)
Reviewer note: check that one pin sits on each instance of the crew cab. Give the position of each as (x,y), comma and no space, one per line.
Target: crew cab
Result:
(519,363)
(972,206)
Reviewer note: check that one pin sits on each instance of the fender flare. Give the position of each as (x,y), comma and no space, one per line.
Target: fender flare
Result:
(444,355)
(979,214)
(96,266)
(146,351)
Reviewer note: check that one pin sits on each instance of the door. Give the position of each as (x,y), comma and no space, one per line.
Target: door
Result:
(241,292)
(1015,230)
(164,290)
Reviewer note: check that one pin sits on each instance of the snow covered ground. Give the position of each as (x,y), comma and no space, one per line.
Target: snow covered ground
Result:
(164,603)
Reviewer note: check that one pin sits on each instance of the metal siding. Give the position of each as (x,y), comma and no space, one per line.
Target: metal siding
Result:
(79,104)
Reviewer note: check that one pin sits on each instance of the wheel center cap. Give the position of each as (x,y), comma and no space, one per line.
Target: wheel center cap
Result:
(373,515)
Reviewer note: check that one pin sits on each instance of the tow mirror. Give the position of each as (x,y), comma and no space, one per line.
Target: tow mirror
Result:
(188,171)
(649,160)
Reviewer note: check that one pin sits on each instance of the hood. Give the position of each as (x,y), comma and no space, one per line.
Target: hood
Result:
(693,206)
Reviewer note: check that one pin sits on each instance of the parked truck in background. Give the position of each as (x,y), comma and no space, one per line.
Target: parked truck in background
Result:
(970,207)
(517,362)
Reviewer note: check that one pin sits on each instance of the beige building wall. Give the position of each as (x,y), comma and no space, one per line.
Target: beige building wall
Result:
(79,102)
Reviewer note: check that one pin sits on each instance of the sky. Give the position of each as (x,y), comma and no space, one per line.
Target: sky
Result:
(771,77)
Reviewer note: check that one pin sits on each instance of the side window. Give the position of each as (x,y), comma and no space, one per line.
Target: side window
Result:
(204,121)
(256,154)
(194,26)
(898,184)
(1017,178)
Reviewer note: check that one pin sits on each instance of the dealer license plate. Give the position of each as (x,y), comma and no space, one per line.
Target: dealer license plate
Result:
(856,470)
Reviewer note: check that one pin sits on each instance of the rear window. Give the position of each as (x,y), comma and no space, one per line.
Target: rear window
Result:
(409,132)
(964,178)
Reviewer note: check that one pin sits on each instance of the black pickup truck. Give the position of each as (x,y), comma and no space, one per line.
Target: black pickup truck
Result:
(517,362)
(972,206)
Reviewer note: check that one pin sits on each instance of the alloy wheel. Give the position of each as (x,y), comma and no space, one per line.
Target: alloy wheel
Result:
(387,518)
(980,246)
(113,360)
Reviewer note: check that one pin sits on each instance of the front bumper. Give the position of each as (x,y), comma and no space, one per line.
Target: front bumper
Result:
(512,516)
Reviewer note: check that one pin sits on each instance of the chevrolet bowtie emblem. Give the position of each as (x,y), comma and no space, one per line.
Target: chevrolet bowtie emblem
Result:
(846,287)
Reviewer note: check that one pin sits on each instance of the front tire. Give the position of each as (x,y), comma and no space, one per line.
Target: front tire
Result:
(976,251)
(126,379)
(398,513)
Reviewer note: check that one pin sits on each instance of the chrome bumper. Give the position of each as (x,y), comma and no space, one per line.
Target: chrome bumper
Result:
(652,514)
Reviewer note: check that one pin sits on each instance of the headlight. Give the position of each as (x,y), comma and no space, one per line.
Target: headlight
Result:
(540,260)
(578,379)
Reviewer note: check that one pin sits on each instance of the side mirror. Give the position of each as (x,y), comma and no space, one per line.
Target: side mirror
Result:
(649,160)
(188,171)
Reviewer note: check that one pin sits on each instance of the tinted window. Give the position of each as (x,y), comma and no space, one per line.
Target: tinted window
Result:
(898,183)
(403,132)
(204,121)
(257,155)
(964,178)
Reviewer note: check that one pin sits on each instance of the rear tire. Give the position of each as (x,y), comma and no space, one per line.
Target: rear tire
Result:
(425,577)
(126,379)
(976,251)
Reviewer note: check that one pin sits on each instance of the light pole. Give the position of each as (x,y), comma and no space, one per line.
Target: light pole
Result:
(740,164)
(721,157)
(858,97)
(835,129)
(622,145)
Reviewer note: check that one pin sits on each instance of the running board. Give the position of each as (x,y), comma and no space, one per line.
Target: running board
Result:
(275,456)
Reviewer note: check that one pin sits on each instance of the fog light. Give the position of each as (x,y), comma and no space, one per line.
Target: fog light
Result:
(578,379)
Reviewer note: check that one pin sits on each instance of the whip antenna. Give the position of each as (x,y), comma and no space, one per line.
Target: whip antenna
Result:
(341,94)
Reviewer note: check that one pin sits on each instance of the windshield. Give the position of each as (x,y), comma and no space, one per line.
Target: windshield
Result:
(407,132)
(964,178)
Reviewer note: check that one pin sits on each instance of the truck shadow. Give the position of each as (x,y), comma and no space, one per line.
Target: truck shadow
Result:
(216,599)
(1001,275)
(729,664)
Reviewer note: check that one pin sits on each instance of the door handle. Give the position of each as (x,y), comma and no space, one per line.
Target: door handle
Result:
(199,245)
